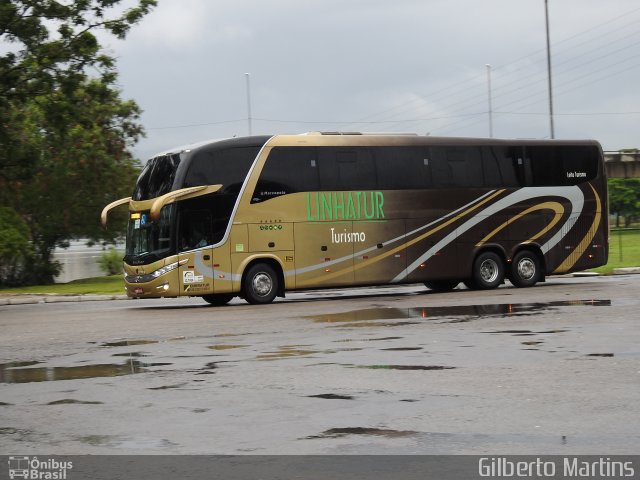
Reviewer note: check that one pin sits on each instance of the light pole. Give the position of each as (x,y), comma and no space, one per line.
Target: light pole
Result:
(546,16)
(490,103)
(248,103)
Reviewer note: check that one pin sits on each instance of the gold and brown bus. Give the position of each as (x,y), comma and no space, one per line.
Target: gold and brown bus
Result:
(256,217)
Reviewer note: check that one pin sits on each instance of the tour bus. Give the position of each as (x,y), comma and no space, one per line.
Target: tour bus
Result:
(258,216)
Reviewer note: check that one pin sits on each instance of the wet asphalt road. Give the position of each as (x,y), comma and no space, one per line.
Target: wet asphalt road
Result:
(550,370)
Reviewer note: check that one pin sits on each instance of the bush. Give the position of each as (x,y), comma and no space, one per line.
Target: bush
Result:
(16,251)
(111,262)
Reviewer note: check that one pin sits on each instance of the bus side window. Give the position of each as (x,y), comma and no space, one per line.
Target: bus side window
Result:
(195,229)
(457,167)
(287,170)
(403,168)
(579,164)
(545,164)
(500,165)
(346,169)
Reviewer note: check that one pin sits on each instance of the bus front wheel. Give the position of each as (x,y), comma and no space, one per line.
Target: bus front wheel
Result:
(488,271)
(525,269)
(260,284)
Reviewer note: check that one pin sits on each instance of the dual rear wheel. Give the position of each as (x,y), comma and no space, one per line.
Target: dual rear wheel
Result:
(489,271)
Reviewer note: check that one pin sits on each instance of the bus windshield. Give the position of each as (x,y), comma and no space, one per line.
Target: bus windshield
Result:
(147,239)
(157,177)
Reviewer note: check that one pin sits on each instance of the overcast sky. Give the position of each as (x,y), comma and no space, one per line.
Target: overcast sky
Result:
(379,65)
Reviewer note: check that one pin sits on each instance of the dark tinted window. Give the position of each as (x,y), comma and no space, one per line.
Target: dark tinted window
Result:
(287,170)
(456,167)
(560,165)
(402,168)
(500,166)
(580,164)
(228,167)
(346,169)
(157,177)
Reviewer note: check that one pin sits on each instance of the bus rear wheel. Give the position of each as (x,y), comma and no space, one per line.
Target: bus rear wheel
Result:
(260,284)
(488,271)
(442,285)
(217,299)
(525,269)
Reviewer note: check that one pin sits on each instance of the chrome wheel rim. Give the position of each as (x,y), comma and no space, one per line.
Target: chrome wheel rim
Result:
(489,271)
(262,284)
(526,269)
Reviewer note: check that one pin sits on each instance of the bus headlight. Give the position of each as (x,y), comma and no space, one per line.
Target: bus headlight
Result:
(156,274)
(167,268)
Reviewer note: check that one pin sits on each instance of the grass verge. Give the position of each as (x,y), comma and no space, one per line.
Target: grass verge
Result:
(624,250)
(111,285)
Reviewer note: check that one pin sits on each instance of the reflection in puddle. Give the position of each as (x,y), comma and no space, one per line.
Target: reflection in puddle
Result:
(128,343)
(379,432)
(72,401)
(405,367)
(11,374)
(401,349)
(225,347)
(375,324)
(286,351)
(331,396)
(365,316)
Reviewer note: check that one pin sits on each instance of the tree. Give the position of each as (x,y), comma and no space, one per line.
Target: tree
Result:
(65,134)
(624,199)
(16,252)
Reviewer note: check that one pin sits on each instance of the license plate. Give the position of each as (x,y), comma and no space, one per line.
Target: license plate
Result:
(138,291)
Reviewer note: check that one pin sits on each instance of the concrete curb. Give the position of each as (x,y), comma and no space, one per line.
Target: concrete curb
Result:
(626,270)
(33,299)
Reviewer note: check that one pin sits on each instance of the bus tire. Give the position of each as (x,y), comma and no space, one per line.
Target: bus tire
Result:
(260,284)
(217,299)
(525,269)
(442,285)
(488,271)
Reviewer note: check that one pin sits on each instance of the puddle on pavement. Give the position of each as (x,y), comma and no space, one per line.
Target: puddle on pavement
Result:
(332,396)
(168,387)
(463,312)
(128,343)
(13,374)
(226,347)
(375,324)
(378,432)
(600,355)
(286,351)
(404,367)
(73,401)
(401,349)
(130,354)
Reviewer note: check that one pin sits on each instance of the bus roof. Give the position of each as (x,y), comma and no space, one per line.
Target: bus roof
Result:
(366,138)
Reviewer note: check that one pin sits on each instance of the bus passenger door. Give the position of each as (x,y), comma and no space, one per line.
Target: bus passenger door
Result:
(194,243)
(323,254)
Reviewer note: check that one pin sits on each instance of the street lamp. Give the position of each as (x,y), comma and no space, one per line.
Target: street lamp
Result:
(546,16)
(248,103)
(490,103)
